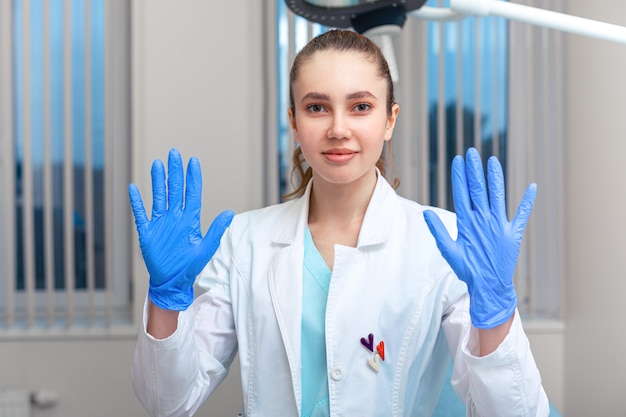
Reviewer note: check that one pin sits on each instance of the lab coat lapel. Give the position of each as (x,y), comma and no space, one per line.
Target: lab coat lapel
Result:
(285,285)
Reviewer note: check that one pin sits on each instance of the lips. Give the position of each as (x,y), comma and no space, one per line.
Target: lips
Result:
(339,155)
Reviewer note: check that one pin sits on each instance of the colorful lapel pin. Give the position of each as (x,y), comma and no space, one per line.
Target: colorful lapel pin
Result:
(373,362)
(369,343)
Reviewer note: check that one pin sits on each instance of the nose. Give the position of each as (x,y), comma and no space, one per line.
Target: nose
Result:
(339,128)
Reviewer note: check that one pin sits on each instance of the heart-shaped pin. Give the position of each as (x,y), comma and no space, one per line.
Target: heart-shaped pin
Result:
(369,343)
(381,349)
(374,363)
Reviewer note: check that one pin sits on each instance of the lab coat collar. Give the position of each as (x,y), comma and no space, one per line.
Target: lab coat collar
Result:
(376,227)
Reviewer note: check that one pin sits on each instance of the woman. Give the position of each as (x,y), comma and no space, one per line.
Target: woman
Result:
(347,300)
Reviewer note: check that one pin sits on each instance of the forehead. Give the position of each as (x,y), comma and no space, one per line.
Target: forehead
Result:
(339,71)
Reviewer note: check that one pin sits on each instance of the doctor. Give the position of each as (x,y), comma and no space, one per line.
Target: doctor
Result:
(347,300)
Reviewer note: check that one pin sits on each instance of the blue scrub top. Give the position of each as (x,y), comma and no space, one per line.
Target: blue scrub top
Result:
(316,280)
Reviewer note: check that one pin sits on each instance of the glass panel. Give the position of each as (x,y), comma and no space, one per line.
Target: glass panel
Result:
(53,42)
(97,135)
(474,55)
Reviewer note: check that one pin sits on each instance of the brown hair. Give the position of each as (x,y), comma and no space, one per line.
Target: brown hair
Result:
(336,40)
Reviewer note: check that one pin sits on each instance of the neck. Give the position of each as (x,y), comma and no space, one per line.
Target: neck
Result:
(340,205)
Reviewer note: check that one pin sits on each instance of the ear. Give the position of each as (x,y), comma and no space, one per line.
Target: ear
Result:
(391,121)
(292,121)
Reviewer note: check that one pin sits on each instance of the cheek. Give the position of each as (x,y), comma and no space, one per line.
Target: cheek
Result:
(308,131)
(380,148)
(375,131)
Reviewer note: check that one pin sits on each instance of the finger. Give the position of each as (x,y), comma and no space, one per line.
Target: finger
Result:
(210,242)
(158,189)
(440,233)
(497,197)
(476,180)
(175,182)
(460,192)
(136,204)
(525,208)
(193,191)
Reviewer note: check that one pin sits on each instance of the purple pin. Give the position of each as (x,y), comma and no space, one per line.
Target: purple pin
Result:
(369,343)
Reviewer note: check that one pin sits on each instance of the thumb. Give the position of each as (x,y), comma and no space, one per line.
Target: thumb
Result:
(136,203)
(210,242)
(525,208)
(439,232)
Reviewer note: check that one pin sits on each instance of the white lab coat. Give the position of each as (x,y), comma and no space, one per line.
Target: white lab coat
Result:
(394,285)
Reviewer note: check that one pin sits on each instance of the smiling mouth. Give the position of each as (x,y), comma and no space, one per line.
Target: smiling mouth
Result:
(339,156)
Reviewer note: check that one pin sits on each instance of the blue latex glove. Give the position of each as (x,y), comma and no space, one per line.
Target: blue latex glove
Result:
(171,243)
(487,246)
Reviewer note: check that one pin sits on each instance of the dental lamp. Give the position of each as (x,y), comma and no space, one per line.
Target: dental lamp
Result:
(380,20)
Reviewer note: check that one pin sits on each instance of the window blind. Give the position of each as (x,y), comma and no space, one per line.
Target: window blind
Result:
(64,165)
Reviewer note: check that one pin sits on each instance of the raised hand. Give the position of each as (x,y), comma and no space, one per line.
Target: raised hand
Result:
(171,242)
(485,252)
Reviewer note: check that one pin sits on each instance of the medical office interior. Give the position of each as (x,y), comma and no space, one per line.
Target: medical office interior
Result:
(92,91)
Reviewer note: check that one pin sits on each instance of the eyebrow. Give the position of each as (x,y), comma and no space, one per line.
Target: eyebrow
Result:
(360,94)
(326,97)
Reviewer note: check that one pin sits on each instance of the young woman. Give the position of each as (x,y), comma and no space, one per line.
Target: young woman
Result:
(347,300)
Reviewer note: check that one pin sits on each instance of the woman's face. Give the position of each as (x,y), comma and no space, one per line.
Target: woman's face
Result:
(341,120)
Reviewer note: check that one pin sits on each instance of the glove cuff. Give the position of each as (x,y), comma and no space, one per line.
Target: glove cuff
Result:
(169,298)
(494,319)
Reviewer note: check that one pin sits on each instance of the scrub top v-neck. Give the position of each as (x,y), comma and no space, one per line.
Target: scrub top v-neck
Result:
(315,284)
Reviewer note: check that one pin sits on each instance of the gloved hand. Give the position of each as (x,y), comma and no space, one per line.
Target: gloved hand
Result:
(487,246)
(171,243)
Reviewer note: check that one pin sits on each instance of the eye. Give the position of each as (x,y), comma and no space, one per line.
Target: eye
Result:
(315,108)
(362,107)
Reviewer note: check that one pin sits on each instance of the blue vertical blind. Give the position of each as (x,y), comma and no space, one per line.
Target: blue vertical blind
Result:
(58,265)
(467,94)
(43,139)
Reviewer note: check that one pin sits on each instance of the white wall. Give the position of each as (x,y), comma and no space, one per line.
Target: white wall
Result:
(595,367)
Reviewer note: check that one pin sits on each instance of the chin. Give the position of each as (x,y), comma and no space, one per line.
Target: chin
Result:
(347,178)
